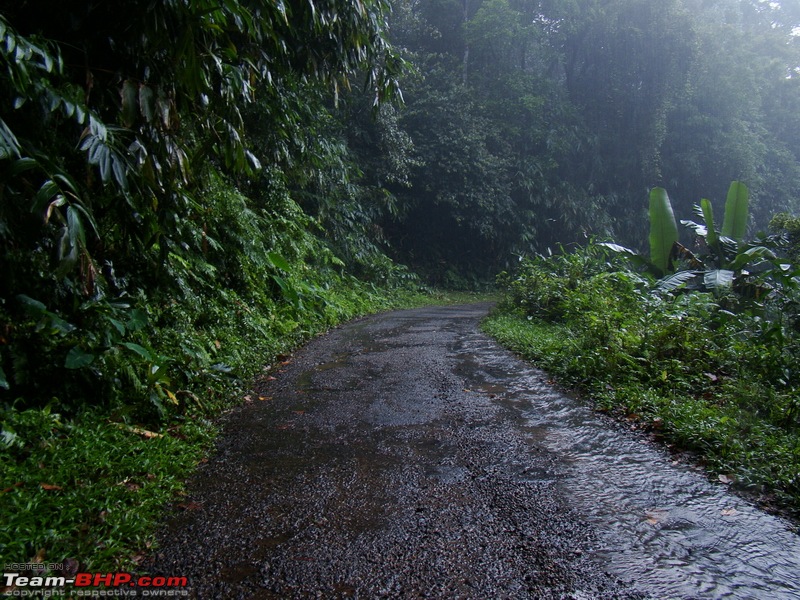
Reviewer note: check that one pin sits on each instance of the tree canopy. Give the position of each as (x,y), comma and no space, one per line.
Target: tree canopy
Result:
(544,122)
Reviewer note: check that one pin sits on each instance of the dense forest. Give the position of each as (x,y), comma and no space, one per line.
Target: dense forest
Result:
(535,123)
(188,189)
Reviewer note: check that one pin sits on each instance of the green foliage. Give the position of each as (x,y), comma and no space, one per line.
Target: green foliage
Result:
(736,211)
(787,229)
(541,123)
(720,382)
(119,148)
(663,229)
(87,489)
(156,244)
(720,263)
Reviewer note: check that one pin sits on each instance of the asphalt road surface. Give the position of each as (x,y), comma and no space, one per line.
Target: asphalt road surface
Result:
(383,460)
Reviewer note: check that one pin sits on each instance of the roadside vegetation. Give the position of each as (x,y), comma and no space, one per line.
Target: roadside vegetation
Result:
(699,346)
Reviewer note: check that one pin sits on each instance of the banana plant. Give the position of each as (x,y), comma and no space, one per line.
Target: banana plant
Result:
(721,256)
(663,230)
(663,236)
(721,260)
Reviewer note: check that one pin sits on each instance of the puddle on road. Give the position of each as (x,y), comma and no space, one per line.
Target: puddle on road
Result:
(662,526)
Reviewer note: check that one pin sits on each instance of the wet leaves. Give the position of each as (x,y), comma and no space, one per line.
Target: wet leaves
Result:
(129,485)
(12,487)
(140,432)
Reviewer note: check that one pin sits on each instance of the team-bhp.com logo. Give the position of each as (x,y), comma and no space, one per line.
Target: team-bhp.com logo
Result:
(92,585)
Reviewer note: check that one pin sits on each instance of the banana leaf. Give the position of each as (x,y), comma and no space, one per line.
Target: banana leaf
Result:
(736,211)
(663,229)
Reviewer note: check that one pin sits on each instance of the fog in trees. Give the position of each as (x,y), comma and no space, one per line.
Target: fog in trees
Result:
(534,123)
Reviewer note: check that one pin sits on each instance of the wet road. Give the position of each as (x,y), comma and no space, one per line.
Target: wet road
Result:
(406,455)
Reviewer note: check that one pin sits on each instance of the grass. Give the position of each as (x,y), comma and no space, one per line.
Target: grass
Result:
(93,489)
(90,489)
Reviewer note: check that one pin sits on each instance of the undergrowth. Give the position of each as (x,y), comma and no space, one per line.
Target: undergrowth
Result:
(707,373)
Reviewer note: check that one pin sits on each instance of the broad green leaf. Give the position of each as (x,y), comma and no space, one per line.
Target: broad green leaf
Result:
(278,261)
(22,165)
(77,358)
(76,206)
(708,215)
(44,196)
(718,279)
(119,169)
(31,305)
(9,146)
(118,325)
(104,162)
(97,128)
(736,211)
(699,229)
(137,319)
(752,255)
(617,248)
(675,281)
(663,229)
(77,235)
(140,350)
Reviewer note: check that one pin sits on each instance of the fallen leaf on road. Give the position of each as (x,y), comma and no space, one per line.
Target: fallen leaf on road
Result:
(729,512)
(654,517)
(50,487)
